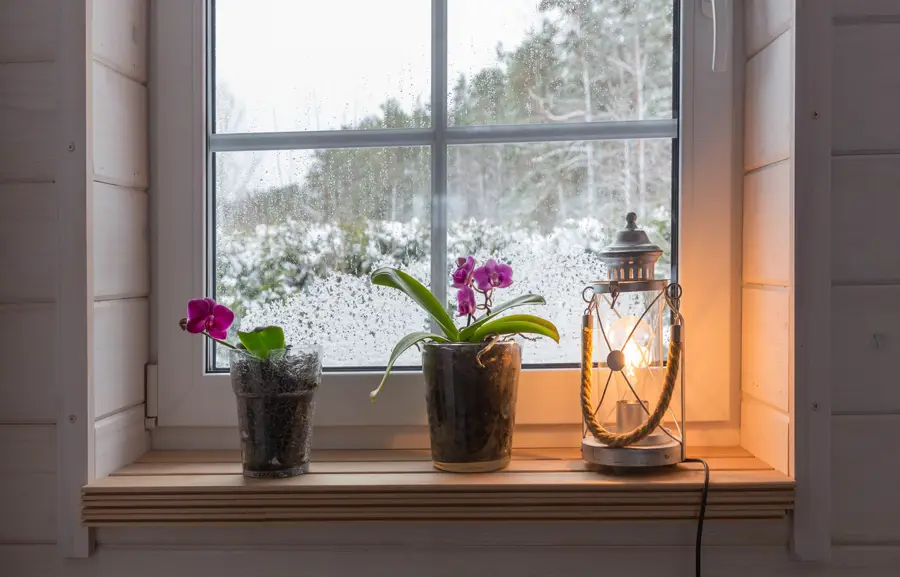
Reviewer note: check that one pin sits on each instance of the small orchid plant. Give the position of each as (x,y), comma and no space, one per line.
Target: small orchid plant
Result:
(470,281)
(207,317)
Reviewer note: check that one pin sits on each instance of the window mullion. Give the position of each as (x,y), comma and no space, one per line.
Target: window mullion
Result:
(439,150)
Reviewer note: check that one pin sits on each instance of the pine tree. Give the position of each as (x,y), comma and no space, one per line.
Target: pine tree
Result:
(587,61)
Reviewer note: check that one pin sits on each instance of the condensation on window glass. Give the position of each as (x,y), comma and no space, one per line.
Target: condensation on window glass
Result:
(293,65)
(298,232)
(547,209)
(550,61)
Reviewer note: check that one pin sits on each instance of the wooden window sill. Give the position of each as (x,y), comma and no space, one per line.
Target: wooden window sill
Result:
(191,487)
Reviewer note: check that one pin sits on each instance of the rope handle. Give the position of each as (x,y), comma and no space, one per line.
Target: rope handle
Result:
(640,433)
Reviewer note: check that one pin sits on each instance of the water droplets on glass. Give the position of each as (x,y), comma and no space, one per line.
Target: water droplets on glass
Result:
(551,61)
(291,65)
(297,232)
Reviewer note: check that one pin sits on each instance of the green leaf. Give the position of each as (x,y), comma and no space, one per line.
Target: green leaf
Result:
(261,340)
(525,324)
(397,279)
(406,342)
(466,333)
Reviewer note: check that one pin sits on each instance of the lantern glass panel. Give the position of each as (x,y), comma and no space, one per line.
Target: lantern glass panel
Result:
(635,323)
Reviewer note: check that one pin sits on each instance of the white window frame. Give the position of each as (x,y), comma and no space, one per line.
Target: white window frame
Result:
(186,396)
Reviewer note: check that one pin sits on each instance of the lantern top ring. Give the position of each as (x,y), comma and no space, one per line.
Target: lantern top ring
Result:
(610,287)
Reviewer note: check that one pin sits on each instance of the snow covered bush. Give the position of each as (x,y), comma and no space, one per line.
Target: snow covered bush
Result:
(313,279)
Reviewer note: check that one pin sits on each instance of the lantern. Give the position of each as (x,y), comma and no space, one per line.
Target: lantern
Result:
(635,417)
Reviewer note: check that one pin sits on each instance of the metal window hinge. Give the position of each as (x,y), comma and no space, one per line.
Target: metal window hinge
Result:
(151,392)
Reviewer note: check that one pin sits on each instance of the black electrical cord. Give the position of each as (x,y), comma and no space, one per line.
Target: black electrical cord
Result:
(702,516)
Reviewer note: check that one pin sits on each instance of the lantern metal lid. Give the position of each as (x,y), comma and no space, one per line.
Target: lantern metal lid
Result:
(632,257)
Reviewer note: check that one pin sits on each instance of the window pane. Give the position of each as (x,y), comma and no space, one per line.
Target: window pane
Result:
(297,233)
(289,65)
(546,61)
(547,209)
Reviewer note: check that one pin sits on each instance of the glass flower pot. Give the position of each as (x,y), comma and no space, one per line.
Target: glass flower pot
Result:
(276,399)
(470,393)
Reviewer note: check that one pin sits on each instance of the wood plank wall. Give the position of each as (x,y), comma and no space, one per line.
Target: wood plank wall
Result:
(29,148)
(121,230)
(865,263)
(766,353)
(41,165)
(866,416)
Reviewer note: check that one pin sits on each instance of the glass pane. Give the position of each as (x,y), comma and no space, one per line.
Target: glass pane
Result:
(288,65)
(298,232)
(547,209)
(547,61)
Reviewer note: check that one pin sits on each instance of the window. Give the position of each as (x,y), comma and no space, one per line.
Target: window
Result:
(330,138)
(404,138)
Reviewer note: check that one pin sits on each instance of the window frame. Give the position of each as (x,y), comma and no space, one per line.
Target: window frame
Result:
(188,396)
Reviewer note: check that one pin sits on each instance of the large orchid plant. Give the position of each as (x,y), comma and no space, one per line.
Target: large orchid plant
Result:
(483,320)
(207,317)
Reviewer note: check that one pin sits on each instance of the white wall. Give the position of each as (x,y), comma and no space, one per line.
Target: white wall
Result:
(74,254)
(865,264)
(30,145)
(767,231)
(121,252)
(866,407)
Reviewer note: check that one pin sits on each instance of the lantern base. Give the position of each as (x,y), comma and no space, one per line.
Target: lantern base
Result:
(659,454)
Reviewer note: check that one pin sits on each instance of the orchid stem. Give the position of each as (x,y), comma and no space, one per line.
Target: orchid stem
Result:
(487,300)
(220,341)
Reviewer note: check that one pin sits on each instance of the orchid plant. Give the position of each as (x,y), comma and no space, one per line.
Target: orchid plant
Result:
(470,282)
(207,317)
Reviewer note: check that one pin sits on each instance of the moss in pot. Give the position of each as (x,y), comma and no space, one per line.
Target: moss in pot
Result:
(275,386)
(471,373)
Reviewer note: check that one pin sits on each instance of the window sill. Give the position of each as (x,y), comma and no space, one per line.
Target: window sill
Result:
(204,487)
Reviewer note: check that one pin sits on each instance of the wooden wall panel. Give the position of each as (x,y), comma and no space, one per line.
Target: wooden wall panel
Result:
(767,242)
(437,559)
(866,88)
(28,122)
(28,242)
(118,440)
(765,372)
(120,36)
(765,433)
(767,226)
(865,343)
(120,129)
(28,86)
(768,104)
(27,371)
(121,237)
(865,204)
(121,347)
(28,509)
(28,471)
(440,560)
(454,535)
(28,30)
(27,449)
(865,8)
(764,21)
(865,475)
(394,560)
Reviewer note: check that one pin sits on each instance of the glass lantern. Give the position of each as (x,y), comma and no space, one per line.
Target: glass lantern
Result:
(632,400)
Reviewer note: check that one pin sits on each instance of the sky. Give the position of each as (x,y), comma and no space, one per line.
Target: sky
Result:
(317,64)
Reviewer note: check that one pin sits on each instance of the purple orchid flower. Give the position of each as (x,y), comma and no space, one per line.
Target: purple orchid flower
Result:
(465,299)
(462,276)
(205,315)
(493,275)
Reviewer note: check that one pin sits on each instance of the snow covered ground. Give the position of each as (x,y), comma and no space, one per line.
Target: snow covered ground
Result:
(312,280)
